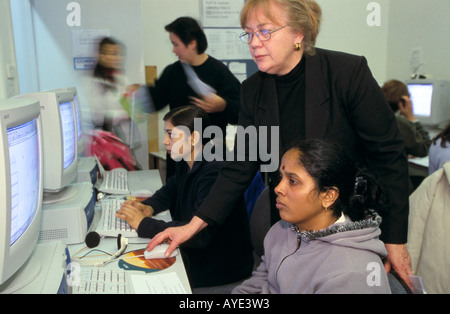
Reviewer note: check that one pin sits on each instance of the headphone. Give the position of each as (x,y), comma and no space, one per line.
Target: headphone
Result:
(92,240)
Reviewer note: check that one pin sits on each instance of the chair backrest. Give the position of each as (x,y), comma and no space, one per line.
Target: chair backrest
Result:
(253,191)
(398,286)
(260,222)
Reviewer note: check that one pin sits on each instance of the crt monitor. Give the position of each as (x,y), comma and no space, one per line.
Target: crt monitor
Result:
(59,133)
(76,98)
(431,101)
(21,183)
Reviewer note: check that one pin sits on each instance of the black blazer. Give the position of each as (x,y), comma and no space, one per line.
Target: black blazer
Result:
(218,254)
(344,104)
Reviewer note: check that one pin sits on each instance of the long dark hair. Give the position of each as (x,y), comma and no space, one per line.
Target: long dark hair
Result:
(332,168)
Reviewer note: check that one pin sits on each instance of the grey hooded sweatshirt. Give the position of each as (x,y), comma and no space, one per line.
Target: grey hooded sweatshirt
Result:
(344,258)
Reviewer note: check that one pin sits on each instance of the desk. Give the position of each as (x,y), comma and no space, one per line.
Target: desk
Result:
(144,179)
(110,245)
(139,180)
(418,166)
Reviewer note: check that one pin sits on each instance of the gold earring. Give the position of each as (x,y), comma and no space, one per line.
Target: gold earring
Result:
(298,46)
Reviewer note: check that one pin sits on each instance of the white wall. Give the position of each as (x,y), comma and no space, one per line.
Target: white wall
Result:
(156,15)
(54,37)
(345,28)
(405,24)
(22,16)
(419,24)
(8,72)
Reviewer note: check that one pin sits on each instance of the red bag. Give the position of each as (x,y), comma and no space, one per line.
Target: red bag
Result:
(111,151)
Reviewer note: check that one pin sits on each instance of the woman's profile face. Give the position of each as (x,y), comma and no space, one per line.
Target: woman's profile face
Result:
(183,52)
(298,201)
(276,55)
(177,142)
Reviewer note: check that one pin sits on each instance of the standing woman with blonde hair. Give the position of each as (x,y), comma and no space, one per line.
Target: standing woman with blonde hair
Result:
(309,92)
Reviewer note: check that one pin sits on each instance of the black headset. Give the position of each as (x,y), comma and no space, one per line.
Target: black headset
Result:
(92,240)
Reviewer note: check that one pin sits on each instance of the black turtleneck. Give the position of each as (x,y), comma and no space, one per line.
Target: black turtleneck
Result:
(291,100)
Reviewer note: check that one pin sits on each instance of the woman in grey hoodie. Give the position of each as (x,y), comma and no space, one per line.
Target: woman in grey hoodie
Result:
(328,238)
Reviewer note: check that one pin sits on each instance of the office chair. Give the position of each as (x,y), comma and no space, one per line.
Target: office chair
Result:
(260,223)
(398,286)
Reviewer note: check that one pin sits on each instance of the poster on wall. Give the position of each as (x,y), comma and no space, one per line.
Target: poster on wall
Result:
(85,46)
(224,44)
(221,13)
(220,21)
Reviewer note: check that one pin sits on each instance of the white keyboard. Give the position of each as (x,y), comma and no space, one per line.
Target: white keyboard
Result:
(99,280)
(111,226)
(115,182)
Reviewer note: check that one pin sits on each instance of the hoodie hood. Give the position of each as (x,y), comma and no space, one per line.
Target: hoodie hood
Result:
(362,235)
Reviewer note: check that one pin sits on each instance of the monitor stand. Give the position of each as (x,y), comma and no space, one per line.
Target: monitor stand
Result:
(67,215)
(43,273)
(87,170)
(65,194)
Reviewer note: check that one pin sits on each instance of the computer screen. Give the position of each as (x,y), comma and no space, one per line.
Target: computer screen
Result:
(59,133)
(79,122)
(69,132)
(21,183)
(23,144)
(76,98)
(431,101)
(422,95)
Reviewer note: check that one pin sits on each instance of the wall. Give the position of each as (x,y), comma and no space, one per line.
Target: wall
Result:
(345,28)
(405,24)
(54,36)
(46,36)
(8,73)
(419,24)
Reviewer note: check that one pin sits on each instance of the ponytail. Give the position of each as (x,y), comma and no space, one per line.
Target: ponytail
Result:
(368,196)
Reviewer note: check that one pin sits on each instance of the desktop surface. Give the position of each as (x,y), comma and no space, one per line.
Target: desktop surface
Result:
(159,276)
(143,276)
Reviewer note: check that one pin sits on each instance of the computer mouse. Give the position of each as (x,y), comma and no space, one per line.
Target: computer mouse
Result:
(159,251)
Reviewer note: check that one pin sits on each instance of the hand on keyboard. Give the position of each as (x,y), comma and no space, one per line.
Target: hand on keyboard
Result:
(133,213)
(110,225)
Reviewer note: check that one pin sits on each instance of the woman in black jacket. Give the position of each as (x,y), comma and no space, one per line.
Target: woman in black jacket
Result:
(218,254)
(304,92)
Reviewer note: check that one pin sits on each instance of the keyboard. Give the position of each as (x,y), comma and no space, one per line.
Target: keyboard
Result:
(98,280)
(115,182)
(110,225)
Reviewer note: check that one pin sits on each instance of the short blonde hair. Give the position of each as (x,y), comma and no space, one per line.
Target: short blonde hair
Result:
(303,16)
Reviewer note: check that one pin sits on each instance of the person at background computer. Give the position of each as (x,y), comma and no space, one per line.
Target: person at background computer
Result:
(310,93)
(329,232)
(439,150)
(417,139)
(107,92)
(172,88)
(219,254)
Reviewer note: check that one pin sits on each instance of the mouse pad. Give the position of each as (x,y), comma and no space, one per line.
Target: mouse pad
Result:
(142,264)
